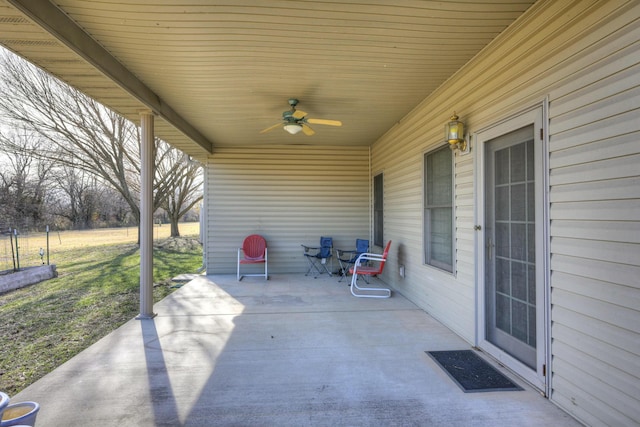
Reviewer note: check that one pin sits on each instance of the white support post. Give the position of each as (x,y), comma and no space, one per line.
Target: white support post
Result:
(146,216)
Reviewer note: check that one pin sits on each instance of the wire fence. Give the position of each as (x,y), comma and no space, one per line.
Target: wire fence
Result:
(19,250)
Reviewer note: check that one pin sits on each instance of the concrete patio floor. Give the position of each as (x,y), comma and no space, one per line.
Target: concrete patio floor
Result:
(293,351)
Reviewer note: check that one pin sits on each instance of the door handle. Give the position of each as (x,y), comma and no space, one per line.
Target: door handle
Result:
(490,248)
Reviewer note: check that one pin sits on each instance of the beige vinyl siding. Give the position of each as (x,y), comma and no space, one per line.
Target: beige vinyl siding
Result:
(291,195)
(584,58)
(595,230)
(436,291)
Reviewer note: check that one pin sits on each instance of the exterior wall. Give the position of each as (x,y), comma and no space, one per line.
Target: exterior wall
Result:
(595,228)
(583,58)
(291,195)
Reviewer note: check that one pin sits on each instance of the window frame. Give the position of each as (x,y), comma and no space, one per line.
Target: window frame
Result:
(428,259)
(378,209)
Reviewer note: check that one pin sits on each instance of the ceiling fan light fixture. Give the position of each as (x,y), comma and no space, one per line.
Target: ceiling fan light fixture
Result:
(295,121)
(292,128)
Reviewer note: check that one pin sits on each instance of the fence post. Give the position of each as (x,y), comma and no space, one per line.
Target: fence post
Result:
(47,245)
(15,232)
(13,254)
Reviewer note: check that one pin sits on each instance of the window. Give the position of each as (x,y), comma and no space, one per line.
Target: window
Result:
(378,238)
(438,208)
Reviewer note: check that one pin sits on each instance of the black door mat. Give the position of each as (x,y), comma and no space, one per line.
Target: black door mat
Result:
(471,372)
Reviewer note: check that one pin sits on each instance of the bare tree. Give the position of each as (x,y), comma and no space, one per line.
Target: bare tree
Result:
(114,211)
(81,133)
(85,135)
(77,196)
(23,184)
(183,180)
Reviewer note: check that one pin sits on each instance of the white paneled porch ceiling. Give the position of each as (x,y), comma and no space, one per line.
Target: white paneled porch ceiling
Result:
(218,72)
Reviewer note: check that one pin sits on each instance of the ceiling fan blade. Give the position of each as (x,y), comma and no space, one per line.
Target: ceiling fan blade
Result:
(325,122)
(299,114)
(307,130)
(271,128)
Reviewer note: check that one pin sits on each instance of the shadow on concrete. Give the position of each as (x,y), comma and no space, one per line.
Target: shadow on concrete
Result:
(163,402)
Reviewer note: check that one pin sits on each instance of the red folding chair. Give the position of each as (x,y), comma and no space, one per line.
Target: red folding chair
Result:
(253,251)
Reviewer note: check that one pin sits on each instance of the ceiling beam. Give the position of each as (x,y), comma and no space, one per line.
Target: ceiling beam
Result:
(60,26)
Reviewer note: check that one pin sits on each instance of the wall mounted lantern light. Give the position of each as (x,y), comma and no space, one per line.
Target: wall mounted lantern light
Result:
(454,135)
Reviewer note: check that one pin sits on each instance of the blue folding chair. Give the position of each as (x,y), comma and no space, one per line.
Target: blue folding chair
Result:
(347,258)
(319,257)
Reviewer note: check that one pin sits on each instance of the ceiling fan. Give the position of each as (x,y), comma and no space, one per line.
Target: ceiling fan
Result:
(294,121)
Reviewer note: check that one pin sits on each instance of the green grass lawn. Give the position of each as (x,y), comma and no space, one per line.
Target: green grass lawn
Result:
(96,291)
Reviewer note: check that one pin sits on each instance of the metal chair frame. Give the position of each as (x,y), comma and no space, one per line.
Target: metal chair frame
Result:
(369,270)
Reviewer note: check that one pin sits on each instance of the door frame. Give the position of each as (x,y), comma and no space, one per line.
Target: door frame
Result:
(536,114)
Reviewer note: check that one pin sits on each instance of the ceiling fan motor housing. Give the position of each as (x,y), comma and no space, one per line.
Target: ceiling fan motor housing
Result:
(288,117)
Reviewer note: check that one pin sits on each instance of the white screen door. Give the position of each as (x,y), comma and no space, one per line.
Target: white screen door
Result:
(512,297)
